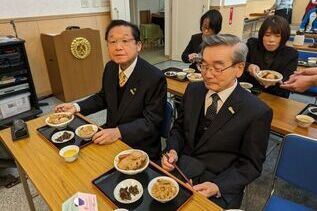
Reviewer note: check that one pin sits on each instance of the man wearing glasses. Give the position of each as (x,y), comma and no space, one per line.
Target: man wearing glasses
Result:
(220,137)
(133,92)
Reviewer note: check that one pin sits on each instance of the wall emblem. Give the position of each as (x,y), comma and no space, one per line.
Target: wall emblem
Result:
(80,47)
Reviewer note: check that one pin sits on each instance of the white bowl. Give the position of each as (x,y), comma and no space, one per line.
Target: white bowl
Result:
(181,75)
(246,85)
(189,70)
(127,183)
(60,125)
(313,110)
(150,186)
(269,82)
(130,172)
(304,120)
(170,73)
(193,77)
(59,133)
(71,158)
(86,138)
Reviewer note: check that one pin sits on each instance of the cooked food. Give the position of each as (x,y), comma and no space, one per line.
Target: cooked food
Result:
(269,75)
(195,76)
(132,161)
(304,119)
(163,189)
(63,137)
(86,131)
(125,193)
(58,118)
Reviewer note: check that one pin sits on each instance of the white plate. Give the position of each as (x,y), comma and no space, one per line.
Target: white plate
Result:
(170,73)
(128,183)
(246,85)
(313,110)
(58,134)
(193,77)
(130,172)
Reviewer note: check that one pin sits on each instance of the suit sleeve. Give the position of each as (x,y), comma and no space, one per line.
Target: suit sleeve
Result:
(95,102)
(253,152)
(176,138)
(188,50)
(149,125)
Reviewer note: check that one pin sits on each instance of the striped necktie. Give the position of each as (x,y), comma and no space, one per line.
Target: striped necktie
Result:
(122,79)
(212,109)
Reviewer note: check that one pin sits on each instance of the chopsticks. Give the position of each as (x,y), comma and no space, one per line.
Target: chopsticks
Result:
(178,169)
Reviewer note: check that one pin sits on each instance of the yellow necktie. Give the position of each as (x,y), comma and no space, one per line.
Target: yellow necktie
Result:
(122,79)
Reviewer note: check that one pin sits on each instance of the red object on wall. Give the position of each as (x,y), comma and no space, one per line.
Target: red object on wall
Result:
(230,15)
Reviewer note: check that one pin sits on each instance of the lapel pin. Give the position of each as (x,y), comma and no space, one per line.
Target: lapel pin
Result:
(133,91)
(231,110)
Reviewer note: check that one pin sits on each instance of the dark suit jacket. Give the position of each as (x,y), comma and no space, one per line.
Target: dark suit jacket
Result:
(194,46)
(141,110)
(233,148)
(285,62)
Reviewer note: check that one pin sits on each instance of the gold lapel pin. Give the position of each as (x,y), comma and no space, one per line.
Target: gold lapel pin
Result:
(133,91)
(231,110)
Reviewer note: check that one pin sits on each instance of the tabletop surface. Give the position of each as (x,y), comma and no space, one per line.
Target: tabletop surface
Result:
(57,180)
(284,110)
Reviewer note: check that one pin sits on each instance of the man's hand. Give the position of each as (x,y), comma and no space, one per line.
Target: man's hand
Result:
(253,69)
(168,164)
(300,81)
(207,189)
(192,56)
(65,107)
(107,136)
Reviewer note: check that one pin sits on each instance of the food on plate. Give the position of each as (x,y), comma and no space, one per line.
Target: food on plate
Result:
(58,118)
(132,161)
(70,153)
(86,131)
(125,193)
(170,73)
(64,136)
(163,189)
(194,77)
(269,75)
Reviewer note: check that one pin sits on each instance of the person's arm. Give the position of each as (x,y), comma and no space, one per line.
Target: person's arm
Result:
(153,114)
(300,81)
(252,155)
(188,50)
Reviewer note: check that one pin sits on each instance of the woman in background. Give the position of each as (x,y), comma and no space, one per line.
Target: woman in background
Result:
(268,52)
(210,24)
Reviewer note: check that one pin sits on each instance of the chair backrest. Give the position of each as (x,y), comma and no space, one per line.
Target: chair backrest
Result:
(297,162)
(166,124)
(303,55)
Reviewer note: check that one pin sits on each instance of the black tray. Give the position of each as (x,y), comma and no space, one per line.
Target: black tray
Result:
(47,132)
(107,182)
(306,112)
(174,69)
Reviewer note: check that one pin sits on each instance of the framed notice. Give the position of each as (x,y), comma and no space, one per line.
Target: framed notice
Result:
(233,2)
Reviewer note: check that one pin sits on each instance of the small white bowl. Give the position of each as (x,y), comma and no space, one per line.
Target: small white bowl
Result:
(130,172)
(268,82)
(127,183)
(193,77)
(59,133)
(189,70)
(312,60)
(313,110)
(71,158)
(61,125)
(86,138)
(153,181)
(246,85)
(304,120)
(181,75)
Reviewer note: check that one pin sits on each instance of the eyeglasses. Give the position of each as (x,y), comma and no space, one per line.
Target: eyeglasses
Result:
(123,42)
(203,68)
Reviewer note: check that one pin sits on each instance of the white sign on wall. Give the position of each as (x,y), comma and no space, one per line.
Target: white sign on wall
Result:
(233,2)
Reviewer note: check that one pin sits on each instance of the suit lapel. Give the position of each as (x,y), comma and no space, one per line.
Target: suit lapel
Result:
(130,90)
(227,111)
(198,100)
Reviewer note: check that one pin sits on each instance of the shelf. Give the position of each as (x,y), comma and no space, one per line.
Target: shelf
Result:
(13,73)
(14,93)
(13,83)
(25,116)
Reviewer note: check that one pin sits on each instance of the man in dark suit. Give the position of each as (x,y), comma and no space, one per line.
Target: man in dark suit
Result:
(133,92)
(220,138)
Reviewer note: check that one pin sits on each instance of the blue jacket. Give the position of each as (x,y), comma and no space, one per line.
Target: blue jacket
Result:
(306,20)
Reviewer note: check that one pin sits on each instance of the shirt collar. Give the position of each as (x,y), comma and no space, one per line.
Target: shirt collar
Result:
(130,69)
(224,94)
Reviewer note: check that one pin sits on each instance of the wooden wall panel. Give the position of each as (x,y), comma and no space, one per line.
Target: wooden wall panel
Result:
(30,30)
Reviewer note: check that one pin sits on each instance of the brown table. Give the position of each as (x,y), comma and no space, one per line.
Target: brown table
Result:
(304,47)
(284,110)
(57,180)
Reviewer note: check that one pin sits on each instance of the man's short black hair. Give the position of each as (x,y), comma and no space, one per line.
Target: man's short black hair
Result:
(215,20)
(135,30)
(278,25)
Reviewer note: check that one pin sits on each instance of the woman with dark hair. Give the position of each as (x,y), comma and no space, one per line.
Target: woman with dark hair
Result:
(210,24)
(269,52)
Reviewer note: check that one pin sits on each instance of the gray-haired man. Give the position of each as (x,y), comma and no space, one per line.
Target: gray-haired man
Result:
(220,137)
